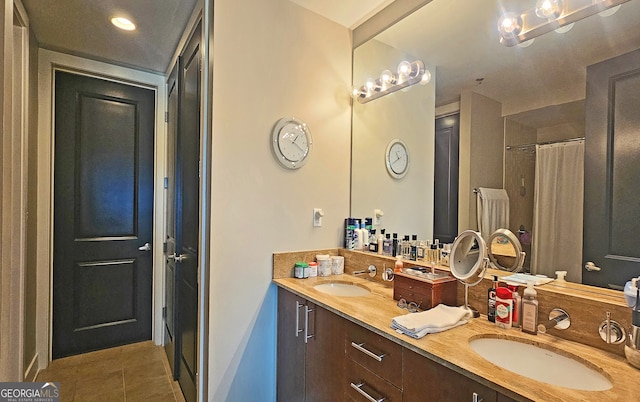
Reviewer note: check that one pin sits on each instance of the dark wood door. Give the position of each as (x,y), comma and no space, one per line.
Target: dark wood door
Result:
(325,380)
(187,216)
(103,214)
(169,308)
(291,348)
(445,211)
(612,171)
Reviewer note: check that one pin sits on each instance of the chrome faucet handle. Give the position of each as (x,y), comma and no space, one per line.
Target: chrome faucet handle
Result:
(611,331)
(558,319)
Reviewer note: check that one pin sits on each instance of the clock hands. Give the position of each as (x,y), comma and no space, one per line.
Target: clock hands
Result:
(295,142)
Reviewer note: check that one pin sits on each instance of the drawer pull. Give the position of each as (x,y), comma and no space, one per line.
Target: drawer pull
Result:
(367,352)
(358,387)
(298,330)
(307,310)
(477,398)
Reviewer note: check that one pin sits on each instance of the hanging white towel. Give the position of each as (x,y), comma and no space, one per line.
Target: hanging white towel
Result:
(437,319)
(493,210)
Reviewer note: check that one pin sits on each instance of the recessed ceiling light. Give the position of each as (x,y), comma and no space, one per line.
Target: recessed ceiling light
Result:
(123,23)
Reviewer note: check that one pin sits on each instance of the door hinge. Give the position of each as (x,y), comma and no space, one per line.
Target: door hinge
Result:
(166,183)
(164,313)
(166,117)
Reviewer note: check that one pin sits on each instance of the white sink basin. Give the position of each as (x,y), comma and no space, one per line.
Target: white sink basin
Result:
(342,289)
(540,364)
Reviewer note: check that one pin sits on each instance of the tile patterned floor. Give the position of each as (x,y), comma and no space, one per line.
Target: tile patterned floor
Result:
(130,373)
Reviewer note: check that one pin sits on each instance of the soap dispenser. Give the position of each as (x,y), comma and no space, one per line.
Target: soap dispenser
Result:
(530,310)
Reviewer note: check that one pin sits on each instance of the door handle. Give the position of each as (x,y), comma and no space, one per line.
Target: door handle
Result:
(146,247)
(177,258)
(590,266)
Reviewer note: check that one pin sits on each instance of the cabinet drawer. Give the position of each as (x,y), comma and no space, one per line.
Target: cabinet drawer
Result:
(378,354)
(369,383)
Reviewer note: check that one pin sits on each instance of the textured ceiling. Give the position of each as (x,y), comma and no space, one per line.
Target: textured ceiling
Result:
(83,28)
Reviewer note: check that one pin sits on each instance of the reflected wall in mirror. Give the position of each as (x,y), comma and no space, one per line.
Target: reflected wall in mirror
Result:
(407,115)
(513,96)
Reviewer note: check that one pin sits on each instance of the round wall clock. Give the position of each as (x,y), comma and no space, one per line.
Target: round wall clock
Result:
(397,158)
(291,142)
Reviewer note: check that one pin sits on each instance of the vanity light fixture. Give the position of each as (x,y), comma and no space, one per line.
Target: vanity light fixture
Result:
(408,73)
(123,23)
(549,15)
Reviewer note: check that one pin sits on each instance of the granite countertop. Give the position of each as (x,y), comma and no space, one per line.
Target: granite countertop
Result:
(451,348)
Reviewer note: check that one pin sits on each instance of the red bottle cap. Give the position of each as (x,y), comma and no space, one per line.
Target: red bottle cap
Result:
(503,293)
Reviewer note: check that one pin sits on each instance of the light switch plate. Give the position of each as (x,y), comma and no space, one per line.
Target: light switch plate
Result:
(318,213)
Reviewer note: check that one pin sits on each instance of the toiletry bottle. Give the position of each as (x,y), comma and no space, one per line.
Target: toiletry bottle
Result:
(406,248)
(387,245)
(381,241)
(491,300)
(530,310)
(413,253)
(365,237)
(433,253)
(356,235)
(348,233)
(421,250)
(368,227)
(373,241)
(504,304)
(398,265)
(517,305)
(395,245)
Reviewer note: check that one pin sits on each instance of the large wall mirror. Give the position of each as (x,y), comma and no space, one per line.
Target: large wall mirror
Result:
(508,99)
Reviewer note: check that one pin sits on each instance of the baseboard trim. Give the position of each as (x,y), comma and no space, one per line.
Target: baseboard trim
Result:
(32,371)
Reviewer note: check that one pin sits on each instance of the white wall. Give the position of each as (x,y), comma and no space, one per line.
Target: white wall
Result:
(481,152)
(271,59)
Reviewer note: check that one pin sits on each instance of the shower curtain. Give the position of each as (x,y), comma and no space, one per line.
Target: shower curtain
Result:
(558,206)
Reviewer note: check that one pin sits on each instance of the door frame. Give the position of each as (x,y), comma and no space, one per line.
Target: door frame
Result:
(48,63)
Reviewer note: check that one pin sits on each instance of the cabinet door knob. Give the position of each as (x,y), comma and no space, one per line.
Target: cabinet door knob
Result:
(477,398)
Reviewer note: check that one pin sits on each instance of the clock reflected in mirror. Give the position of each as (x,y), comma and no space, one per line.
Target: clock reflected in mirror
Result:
(397,158)
(291,142)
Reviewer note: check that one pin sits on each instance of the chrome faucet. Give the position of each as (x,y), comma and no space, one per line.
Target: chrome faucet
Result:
(558,319)
(371,271)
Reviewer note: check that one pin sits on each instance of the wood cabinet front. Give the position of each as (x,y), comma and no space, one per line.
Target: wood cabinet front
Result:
(310,360)
(425,380)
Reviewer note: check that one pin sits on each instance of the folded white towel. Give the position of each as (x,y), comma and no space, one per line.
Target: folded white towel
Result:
(437,319)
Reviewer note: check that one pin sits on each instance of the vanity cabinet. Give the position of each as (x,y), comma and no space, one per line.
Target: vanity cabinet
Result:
(373,366)
(310,365)
(425,380)
(324,357)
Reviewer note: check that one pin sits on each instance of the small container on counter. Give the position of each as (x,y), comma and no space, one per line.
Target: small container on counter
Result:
(313,269)
(337,265)
(324,264)
(301,270)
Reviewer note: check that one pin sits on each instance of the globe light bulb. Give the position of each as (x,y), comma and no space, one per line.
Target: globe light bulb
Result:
(426,77)
(549,9)
(509,25)
(404,69)
(387,78)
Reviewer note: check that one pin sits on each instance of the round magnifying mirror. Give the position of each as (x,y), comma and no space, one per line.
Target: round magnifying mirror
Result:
(468,257)
(468,262)
(505,251)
